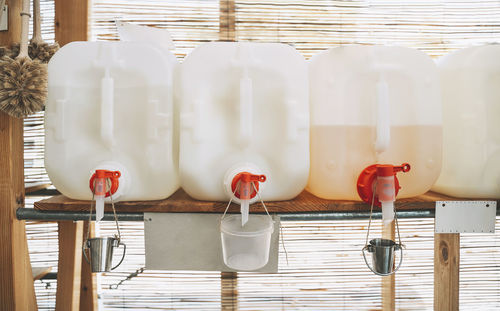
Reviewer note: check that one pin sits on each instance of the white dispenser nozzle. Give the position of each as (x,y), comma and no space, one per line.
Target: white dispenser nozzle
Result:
(387,195)
(99,195)
(244,210)
(99,208)
(387,212)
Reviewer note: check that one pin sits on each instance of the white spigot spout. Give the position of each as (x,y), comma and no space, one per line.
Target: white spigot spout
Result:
(387,212)
(99,208)
(244,210)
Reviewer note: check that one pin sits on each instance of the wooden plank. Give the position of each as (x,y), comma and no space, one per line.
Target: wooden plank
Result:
(71,20)
(88,287)
(446,271)
(227,20)
(389,282)
(69,265)
(40,272)
(229,291)
(17,290)
(32,187)
(180,202)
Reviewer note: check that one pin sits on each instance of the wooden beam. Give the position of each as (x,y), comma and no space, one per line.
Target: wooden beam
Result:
(33,187)
(446,271)
(88,287)
(71,24)
(16,279)
(180,202)
(69,265)
(227,20)
(71,21)
(389,282)
(40,272)
(229,291)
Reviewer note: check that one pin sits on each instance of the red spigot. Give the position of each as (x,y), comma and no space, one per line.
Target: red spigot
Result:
(99,180)
(387,187)
(245,189)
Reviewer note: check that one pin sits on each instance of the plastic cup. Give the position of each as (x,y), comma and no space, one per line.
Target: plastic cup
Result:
(246,247)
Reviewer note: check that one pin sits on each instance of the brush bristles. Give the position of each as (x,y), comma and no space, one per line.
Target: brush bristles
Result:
(11,51)
(42,51)
(23,89)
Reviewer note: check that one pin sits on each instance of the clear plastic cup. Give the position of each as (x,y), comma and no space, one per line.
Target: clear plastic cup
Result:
(246,247)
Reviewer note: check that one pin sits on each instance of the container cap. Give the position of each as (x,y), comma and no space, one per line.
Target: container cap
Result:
(256,225)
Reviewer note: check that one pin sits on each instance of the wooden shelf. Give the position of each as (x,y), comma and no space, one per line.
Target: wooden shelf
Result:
(180,202)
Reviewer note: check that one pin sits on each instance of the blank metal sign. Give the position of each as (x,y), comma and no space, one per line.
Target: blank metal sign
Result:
(465,216)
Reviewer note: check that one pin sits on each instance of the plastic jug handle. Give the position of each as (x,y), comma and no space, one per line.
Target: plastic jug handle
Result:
(107,101)
(56,120)
(246,118)
(297,121)
(157,121)
(383,137)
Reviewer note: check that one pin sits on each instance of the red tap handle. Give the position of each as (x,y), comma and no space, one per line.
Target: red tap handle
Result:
(105,174)
(369,176)
(245,190)
(391,170)
(405,167)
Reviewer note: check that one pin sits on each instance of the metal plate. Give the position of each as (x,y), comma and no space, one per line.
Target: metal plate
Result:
(192,241)
(465,216)
(4,23)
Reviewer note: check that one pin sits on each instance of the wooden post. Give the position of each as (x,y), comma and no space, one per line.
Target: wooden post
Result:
(389,282)
(88,287)
(227,21)
(16,279)
(69,265)
(71,20)
(227,32)
(71,24)
(446,271)
(229,291)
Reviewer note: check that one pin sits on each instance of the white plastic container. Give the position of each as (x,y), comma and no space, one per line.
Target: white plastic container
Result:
(111,106)
(244,109)
(373,105)
(470,80)
(246,247)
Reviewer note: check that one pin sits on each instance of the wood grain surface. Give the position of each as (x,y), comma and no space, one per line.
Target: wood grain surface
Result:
(446,271)
(16,279)
(180,202)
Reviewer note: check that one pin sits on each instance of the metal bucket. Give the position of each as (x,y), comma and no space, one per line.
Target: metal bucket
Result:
(101,253)
(383,256)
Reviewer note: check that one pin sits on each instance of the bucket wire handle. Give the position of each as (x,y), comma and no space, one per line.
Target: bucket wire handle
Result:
(123,255)
(230,201)
(87,236)
(281,228)
(400,245)
(108,181)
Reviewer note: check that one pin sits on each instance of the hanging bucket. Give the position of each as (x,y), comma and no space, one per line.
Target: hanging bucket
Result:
(101,253)
(383,256)
(101,249)
(246,247)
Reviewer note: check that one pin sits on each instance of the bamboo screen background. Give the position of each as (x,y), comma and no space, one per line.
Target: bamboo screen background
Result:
(325,269)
